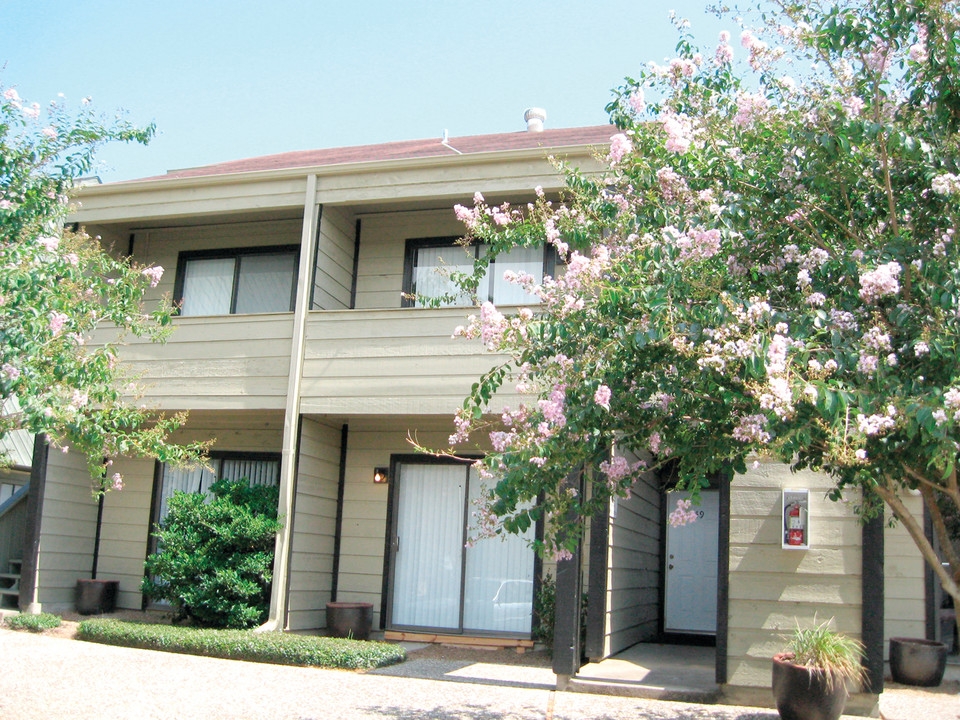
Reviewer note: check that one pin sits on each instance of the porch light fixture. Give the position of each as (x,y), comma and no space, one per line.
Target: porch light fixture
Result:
(381,475)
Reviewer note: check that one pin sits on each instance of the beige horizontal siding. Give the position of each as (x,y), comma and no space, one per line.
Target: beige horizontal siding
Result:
(314,526)
(226,195)
(223,362)
(771,588)
(903,574)
(67,527)
(391,362)
(450,182)
(125,532)
(382,245)
(371,444)
(333,281)
(633,567)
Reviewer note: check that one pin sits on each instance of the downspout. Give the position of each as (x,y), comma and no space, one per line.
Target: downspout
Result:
(277,619)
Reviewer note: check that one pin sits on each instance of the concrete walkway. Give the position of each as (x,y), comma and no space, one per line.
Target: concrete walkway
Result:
(47,678)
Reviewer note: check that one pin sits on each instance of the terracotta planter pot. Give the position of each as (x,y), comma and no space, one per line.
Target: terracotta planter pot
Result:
(349,620)
(804,694)
(95,597)
(917,662)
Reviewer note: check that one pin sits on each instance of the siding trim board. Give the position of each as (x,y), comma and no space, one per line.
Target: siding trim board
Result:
(293,514)
(154,512)
(316,259)
(338,527)
(356,263)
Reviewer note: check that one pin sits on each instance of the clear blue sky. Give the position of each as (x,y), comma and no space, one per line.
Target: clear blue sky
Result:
(228,80)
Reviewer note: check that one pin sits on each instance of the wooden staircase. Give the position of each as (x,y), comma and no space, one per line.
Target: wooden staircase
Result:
(10,586)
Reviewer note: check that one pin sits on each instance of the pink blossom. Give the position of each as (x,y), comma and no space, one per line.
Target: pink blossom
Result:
(602,397)
(724,54)
(918,51)
(877,424)
(620,146)
(921,348)
(682,514)
(751,428)
(637,101)
(879,283)
(57,320)
(492,325)
(10,371)
(852,106)
(679,132)
(32,112)
(72,259)
(653,442)
(49,243)
(154,274)
(117,481)
(749,107)
(49,132)
(12,95)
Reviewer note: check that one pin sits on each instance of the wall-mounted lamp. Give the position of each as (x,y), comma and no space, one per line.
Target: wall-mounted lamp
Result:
(381,475)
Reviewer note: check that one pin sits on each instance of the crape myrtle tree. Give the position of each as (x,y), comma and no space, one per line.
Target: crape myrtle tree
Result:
(768,266)
(57,286)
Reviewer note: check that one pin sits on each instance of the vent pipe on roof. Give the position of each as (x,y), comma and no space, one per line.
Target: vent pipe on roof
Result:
(534,118)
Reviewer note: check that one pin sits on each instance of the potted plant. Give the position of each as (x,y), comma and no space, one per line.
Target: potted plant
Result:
(810,678)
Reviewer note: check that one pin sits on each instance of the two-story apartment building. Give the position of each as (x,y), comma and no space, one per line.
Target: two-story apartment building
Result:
(296,349)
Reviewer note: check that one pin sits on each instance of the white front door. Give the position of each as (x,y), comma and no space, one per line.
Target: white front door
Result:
(690,604)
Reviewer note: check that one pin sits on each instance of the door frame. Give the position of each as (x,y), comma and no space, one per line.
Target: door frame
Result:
(389,563)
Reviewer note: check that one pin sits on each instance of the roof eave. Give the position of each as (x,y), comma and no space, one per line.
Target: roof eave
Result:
(478,158)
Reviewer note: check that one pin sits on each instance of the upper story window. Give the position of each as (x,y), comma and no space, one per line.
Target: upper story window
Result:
(247,280)
(430,260)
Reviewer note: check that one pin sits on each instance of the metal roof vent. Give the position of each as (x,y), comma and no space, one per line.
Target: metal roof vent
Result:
(534,118)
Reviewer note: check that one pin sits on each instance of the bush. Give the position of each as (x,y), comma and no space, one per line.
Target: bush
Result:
(33,623)
(214,558)
(271,647)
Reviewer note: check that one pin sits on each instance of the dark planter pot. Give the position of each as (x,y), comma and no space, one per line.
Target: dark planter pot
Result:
(95,597)
(804,694)
(917,662)
(349,620)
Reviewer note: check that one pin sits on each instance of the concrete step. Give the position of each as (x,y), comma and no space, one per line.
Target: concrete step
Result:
(701,694)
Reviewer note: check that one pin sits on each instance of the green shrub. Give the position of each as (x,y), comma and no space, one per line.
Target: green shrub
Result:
(214,558)
(271,647)
(33,623)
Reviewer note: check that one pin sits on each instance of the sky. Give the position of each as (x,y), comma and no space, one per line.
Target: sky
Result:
(230,80)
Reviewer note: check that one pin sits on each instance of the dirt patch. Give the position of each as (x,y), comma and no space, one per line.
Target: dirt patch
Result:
(69,627)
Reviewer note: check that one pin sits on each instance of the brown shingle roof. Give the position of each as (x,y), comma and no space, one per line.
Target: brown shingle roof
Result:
(596,135)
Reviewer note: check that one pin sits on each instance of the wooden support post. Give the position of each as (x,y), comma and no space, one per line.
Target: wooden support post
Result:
(871,602)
